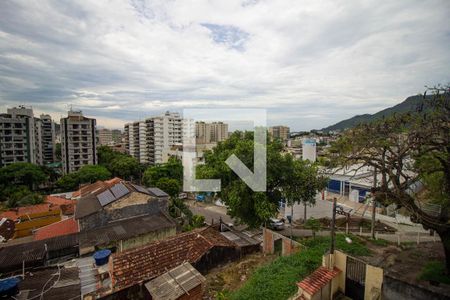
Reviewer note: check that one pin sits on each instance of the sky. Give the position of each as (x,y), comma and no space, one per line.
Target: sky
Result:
(310,64)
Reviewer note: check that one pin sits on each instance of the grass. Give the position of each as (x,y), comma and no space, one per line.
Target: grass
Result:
(278,279)
(434,271)
(380,242)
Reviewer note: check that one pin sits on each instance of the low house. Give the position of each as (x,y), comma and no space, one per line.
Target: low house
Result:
(203,248)
(64,227)
(105,202)
(180,283)
(322,284)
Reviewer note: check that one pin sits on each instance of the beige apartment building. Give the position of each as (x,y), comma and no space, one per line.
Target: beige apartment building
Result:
(279,132)
(210,133)
(78,141)
(105,137)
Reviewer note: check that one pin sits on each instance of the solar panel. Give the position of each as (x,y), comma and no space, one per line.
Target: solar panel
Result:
(141,189)
(119,190)
(157,192)
(105,198)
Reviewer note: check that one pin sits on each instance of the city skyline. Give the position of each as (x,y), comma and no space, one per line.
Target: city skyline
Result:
(310,64)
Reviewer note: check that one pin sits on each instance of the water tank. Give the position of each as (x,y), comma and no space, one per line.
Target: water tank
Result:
(9,286)
(101,257)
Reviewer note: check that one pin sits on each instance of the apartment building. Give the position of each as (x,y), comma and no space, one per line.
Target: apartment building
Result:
(210,133)
(48,139)
(105,137)
(78,141)
(150,140)
(279,132)
(25,138)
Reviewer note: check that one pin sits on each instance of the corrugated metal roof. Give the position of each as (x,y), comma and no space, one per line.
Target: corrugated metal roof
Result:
(175,283)
(157,192)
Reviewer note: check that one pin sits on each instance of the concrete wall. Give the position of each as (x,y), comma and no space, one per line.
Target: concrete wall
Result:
(374,282)
(288,246)
(394,289)
(147,238)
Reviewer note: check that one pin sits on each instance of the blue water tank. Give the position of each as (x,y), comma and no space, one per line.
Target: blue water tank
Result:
(101,257)
(9,286)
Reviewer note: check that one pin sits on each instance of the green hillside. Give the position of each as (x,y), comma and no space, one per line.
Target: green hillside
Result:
(410,104)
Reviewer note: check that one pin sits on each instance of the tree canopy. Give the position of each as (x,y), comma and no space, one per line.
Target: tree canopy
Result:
(87,174)
(173,169)
(22,173)
(283,173)
(119,164)
(408,150)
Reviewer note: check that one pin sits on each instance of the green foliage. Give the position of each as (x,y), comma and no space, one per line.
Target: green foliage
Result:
(278,279)
(22,173)
(87,174)
(177,208)
(173,169)
(197,221)
(298,181)
(435,271)
(20,196)
(58,151)
(119,164)
(313,224)
(380,242)
(170,186)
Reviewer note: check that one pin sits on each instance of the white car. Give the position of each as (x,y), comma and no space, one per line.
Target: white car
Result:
(275,224)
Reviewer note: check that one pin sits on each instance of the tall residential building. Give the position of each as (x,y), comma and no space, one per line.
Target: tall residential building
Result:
(104,137)
(150,141)
(24,138)
(210,133)
(48,139)
(279,132)
(78,141)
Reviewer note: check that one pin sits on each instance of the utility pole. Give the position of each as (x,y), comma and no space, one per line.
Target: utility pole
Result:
(333,221)
(372,231)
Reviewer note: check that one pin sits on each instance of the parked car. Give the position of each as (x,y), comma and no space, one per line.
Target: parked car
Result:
(275,224)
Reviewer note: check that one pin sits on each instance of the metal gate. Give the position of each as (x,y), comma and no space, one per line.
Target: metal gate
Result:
(355,278)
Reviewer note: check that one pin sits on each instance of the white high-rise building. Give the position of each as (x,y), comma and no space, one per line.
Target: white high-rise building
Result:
(150,141)
(309,151)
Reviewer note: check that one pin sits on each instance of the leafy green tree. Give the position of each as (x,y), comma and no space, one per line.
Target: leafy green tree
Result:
(125,167)
(173,169)
(247,206)
(170,186)
(87,174)
(197,221)
(20,196)
(304,181)
(58,151)
(22,173)
(407,149)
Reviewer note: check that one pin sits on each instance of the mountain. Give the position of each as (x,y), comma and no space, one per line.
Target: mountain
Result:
(410,104)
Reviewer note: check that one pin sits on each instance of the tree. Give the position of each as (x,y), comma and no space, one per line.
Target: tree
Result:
(407,149)
(20,196)
(173,169)
(58,151)
(125,167)
(170,186)
(247,206)
(22,173)
(314,225)
(303,183)
(87,174)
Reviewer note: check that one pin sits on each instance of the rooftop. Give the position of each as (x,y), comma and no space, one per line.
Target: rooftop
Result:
(318,279)
(145,263)
(175,283)
(63,227)
(18,212)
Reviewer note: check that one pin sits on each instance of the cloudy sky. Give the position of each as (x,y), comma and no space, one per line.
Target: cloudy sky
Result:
(309,63)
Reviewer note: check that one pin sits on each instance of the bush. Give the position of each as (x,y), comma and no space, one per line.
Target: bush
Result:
(278,279)
(434,271)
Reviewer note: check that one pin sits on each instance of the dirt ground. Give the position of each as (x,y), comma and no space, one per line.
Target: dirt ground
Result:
(232,276)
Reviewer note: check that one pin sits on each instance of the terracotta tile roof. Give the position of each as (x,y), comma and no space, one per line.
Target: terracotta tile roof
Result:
(15,213)
(63,227)
(96,187)
(55,200)
(318,279)
(145,263)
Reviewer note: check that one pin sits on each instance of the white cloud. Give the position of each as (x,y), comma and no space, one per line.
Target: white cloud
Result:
(310,63)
